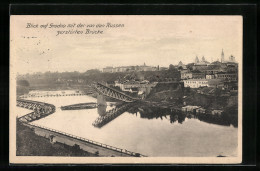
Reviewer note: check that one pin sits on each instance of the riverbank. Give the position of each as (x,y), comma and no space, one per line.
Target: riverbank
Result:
(207,97)
(128,128)
(30,144)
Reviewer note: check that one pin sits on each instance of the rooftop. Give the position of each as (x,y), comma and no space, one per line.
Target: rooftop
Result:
(227,73)
(197,79)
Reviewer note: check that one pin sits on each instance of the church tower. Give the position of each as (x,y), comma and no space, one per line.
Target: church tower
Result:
(203,59)
(222,57)
(197,60)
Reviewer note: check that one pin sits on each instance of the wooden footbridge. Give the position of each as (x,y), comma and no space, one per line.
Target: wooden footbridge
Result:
(113,93)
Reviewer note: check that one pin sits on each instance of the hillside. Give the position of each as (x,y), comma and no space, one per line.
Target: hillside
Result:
(170,92)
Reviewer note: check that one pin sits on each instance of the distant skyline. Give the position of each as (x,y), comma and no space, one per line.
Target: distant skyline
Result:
(155,40)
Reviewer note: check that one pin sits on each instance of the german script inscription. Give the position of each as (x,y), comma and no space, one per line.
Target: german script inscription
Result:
(125,89)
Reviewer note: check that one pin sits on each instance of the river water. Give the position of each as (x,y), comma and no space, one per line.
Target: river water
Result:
(149,133)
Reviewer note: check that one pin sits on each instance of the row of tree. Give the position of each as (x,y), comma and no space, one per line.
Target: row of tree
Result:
(97,76)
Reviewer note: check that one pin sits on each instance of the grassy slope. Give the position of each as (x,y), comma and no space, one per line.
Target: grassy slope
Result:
(30,144)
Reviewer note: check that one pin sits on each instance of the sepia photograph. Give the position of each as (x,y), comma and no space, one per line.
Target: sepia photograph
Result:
(125,89)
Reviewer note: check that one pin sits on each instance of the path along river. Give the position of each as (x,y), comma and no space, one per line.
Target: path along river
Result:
(156,136)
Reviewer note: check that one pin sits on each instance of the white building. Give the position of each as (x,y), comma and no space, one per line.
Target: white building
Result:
(108,69)
(217,112)
(190,108)
(196,83)
(210,76)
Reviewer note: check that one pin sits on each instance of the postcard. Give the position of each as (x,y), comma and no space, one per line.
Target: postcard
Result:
(126,89)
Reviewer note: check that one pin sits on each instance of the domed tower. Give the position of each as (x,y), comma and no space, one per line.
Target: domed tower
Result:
(203,59)
(197,60)
(180,63)
(232,58)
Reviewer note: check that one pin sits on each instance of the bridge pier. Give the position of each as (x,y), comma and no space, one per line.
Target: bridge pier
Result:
(101,100)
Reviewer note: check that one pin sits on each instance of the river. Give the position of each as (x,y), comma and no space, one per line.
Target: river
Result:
(152,133)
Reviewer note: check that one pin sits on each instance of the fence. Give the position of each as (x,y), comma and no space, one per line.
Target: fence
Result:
(73,136)
(89,141)
(53,95)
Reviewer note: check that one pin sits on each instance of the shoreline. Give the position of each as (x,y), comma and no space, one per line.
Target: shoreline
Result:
(30,144)
(54,136)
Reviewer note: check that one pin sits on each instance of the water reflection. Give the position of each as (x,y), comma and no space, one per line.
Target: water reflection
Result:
(179,116)
(158,113)
(173,116)
(131,132)
(102,110)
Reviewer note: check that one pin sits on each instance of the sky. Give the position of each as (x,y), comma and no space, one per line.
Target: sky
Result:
(155,40)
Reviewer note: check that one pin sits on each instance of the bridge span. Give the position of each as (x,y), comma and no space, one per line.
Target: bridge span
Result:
(40,110)
(113,93)
(111,115)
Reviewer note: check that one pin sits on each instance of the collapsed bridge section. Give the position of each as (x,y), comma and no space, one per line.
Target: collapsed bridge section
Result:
(111,115)
(112,93)
(40,110)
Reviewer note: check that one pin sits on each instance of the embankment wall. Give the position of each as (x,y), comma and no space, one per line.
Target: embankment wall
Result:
(71,141)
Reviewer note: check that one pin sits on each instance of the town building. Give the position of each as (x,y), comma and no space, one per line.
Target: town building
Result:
(212,71)
(148,68)
(200,67)
(210,76)
(216,83)
(127,86)
(185,74)
(115,69)
(217,112)
(197,75)
(214,68)
(195,83)
(163,68)
(232,68)
(136,86)
(190,108)
(193,109)
(130,68)
(226,76)
(108,69)
(123,69)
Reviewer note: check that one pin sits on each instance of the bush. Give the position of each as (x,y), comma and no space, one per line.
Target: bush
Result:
(97,153)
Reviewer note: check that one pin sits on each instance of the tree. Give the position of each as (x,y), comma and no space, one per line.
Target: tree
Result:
(24,83)
(171,67)
(92,71)
(189,66)
(180,68)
